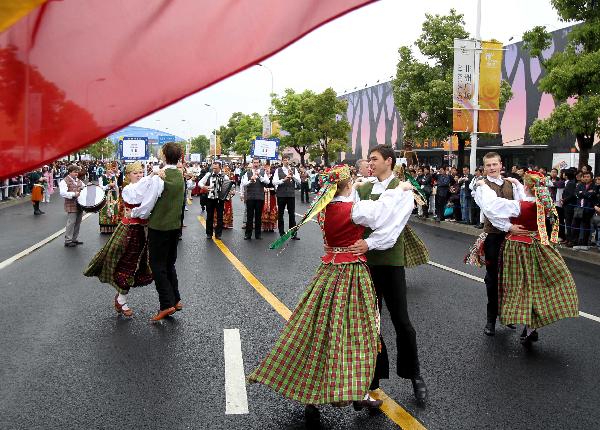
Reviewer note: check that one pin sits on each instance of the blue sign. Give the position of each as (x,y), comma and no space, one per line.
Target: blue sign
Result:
(133,148)
(162,139)
(266,148)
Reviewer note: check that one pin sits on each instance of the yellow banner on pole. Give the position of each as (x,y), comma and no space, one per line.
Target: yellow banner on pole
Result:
(489,87)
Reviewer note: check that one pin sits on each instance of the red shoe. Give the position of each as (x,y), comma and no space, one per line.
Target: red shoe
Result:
(179,306)
(162,314)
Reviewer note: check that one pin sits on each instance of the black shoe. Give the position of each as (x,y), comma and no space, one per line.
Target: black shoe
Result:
(358,405)
(77,242)
(511,326)
(295,238)
(312,417)
(533,336)
(41,212)
(420,389)
(258,237)
(218,236)
(247,238)
(70,244)
(490,329)
(209,236)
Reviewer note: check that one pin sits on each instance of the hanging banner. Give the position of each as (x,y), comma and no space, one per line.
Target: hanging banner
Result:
(462,85)
(489,87)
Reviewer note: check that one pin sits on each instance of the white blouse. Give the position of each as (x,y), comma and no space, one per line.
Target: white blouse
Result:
(498,209)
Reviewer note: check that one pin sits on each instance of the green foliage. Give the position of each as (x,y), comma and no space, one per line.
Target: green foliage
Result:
(104,148)
(239,132)
(315,122)
(200,145)
(423,91)
(572,74)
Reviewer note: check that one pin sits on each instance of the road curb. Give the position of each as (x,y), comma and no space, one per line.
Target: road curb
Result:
(592,257)
(14,202)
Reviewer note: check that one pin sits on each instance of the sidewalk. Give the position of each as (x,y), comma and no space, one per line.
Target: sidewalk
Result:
(592,256)
(15,201)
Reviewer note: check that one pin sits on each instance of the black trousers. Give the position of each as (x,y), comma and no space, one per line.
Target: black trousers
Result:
(390,286)
(211,205)
(282,202)
(304,192)
(581,228)
(568,216)
(254,210)
(162,250)
(440,205)
(491,248)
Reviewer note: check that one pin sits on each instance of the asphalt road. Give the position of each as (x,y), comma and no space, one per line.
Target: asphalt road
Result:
(69,362)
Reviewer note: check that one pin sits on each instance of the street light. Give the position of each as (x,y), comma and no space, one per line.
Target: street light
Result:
(216,121)
(270,95)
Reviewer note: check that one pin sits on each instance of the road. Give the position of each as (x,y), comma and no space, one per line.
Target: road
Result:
(69,362)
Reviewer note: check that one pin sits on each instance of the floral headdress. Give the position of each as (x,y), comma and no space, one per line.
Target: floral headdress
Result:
(331,178)
(536,181)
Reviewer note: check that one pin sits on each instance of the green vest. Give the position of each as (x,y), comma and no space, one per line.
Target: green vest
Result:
(393,256)
(166,214)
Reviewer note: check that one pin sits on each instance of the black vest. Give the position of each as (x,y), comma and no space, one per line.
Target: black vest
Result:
(286,188)
(255,190)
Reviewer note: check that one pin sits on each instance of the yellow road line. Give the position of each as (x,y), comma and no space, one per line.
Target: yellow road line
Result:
(393,410)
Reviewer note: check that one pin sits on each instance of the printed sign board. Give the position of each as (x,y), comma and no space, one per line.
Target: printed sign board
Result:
(133,148)
(265,148)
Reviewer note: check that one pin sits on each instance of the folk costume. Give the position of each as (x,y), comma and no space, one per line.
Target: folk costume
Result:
(215,201)
(227,211)
(387,270)
(286,195)
(69,190)
(535,287)
(327,350)
(161,205)
(37,192)
(270,212)
(254,182)
(123,260)
(108,217)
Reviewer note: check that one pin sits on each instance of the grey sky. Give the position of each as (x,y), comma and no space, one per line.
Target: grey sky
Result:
(356,49)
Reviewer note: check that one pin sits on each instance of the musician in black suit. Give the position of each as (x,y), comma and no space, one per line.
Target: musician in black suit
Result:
(215,183)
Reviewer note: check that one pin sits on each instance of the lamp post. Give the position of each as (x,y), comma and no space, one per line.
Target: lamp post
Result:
(215,129)
(475,98)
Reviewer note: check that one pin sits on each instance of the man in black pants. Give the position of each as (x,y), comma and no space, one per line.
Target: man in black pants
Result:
(161,205)
(387,271)
(214,183)
(285,179)
(253,183)
(505,188)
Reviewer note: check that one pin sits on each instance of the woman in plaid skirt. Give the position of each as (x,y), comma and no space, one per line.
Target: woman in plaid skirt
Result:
(535,287)
(327,351)
(123,260)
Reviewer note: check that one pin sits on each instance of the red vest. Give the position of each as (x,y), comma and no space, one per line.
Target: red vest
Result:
(528,219)
(341,232)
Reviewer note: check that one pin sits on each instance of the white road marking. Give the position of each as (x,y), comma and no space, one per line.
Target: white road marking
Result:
(32,248)
(236,399)
(478,279)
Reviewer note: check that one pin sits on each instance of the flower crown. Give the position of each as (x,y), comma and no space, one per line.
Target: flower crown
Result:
(337,174)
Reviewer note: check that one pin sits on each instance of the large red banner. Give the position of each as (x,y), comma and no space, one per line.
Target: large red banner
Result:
(73,71)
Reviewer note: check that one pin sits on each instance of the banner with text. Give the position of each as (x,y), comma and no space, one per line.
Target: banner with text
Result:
(490,72)
(462,85)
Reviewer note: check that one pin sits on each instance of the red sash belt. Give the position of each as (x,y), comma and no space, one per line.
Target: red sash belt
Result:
(524,238)
(128,221)
(340,255)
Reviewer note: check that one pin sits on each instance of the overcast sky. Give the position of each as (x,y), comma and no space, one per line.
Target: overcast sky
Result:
(357,49)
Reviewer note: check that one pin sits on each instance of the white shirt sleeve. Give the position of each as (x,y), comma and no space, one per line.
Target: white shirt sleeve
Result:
(276,180)
(497,209)
(149,199)
(264,179)
(386,216)
(134,193)
(245,180)
(62,187)
(203,181)
(518,191)
(296,176)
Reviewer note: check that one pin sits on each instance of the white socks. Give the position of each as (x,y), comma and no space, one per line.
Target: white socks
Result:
(368,397)
(122,299)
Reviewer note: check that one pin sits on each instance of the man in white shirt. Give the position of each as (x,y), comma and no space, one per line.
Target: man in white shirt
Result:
(253,186)
(285,180)
(214,183)
(495,237)
(69,188)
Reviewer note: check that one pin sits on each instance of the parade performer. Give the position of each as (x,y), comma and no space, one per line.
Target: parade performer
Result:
(227,206)
(253,182)
(270,212)
(70,187)
(387,269)
(48,183)
(108,217)
(285,180)
(37,195)
(161,205)
(535,286)
(123,260)
(213,184)
(327,350)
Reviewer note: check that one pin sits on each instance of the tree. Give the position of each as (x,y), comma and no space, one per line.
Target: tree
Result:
(200,145)
(104,148)
(291,111)
(326,121)
(247,129)
(423,91)
(572,76)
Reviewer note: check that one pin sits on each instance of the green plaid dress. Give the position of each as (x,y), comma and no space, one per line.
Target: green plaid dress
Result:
(535,286)
(327,351)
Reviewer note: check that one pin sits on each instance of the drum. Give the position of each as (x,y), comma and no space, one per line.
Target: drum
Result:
(91,198)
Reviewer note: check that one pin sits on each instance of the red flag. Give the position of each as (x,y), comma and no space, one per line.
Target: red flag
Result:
(74,71)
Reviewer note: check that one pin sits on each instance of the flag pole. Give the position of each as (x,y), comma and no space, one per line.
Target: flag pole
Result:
(475,99)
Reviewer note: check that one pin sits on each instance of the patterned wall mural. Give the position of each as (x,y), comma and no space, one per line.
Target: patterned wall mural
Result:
(374,118)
